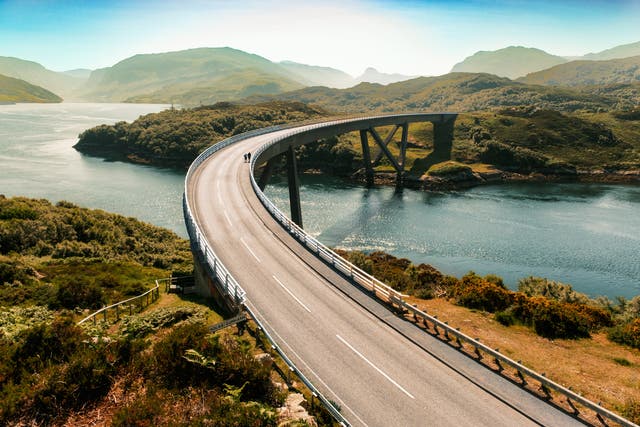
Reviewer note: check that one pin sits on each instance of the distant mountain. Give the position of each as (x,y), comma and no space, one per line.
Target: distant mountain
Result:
(371,75)
(622,51)
(36,74)
(80,73)
(512,62)
(313,75)
(451,92)
(203,75)
(579,73)
(16,90)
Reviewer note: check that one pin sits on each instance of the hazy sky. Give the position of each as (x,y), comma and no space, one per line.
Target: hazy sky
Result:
(409,37)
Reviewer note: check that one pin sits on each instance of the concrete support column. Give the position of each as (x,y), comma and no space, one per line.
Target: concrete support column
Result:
(403,148)
(294,187)
(366,157)
(443,139)
(266,173)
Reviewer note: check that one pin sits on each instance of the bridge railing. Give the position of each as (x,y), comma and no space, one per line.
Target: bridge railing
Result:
(219,272)
(394,297)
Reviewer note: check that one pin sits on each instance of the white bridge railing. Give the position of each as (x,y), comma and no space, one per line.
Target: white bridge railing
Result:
(575,401)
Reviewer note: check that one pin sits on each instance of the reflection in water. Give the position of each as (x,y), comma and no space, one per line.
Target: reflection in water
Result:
(584,234)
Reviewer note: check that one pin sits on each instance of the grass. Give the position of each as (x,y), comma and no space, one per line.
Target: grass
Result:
(597,368)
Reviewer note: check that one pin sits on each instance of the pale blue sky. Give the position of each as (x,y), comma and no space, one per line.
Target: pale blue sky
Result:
(409,37)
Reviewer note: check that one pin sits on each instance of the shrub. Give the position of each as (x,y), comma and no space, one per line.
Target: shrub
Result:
(448,168)
(505,318)
(552,319)
(475,292)
(82,293)
(627,334)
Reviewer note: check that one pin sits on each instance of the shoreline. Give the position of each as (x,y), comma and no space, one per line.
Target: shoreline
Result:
(464,180)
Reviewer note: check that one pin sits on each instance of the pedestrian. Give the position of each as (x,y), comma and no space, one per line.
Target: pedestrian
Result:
(245,157)
(249,156)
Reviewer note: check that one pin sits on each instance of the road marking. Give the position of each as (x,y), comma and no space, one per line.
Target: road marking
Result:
(375,367)
(249,249)
(218,191)
(226,215)
(335,395)
(291,293)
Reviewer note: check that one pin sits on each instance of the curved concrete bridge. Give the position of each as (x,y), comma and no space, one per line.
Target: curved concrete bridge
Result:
(379,369)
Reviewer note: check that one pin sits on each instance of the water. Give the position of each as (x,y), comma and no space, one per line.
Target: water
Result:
(37,160)
(584,234)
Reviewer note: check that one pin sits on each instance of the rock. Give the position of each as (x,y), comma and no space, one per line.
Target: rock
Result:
(293,410)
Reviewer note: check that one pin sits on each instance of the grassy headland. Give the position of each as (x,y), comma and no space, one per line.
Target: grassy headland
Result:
(158,367)
(175,137)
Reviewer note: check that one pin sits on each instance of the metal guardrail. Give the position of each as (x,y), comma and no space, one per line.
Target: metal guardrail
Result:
(222,275)
(390,295)
(326,402)
(148,297)
(359,276)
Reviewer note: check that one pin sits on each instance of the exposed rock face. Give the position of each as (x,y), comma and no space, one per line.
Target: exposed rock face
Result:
(294,411)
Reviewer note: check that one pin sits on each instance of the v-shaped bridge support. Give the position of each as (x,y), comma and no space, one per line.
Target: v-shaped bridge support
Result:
(383,150)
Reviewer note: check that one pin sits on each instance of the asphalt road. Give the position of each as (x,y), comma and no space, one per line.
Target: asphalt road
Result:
(380,369)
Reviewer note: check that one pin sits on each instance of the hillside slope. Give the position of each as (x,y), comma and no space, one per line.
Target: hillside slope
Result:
(622,51)
(194,76)
(38,75)
(16,90)
(580,73)
(314,75)
(512,62)
(451,92)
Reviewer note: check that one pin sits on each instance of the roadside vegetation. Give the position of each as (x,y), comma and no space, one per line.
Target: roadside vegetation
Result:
(158,367)
(590,344)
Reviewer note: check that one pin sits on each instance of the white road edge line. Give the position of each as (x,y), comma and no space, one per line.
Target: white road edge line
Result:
(291,293)
(375,367)
(226,215)
(335,395)
(249,249)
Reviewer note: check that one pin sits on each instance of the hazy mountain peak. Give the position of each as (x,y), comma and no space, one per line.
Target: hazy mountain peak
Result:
(315,75)
(511,61)
(371,75)
(622,51)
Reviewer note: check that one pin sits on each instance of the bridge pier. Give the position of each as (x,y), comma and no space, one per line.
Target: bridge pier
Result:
(266,173)
(366,157)
(294,187)
(443,138)
(206,286)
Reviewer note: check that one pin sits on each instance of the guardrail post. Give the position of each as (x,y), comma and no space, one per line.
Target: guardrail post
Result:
(105,315)
(117,313)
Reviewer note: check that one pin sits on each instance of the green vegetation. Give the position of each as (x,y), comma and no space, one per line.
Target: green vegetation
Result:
(15,90)
(581,73)
(551,309)
(175,137)
(63,256)
(158,367)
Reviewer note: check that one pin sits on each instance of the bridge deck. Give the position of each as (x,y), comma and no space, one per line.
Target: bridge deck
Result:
(381,370)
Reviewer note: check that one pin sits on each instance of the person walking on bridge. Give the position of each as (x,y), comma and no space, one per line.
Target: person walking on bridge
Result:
(249,156)
(245,157)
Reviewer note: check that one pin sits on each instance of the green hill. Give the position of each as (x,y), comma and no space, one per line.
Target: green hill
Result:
(451,92)
(579,73)
(512,62)
(16,90)
(36,74)
(189,77)
(175,137)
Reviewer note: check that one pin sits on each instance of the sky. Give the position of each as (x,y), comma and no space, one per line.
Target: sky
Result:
(403,36)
